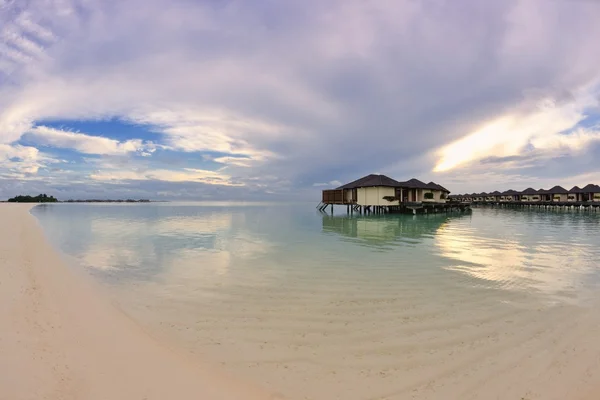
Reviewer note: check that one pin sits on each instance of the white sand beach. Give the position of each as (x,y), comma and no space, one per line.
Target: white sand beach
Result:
(60,339)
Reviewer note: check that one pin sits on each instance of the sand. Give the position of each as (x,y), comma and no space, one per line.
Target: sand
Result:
(61,339)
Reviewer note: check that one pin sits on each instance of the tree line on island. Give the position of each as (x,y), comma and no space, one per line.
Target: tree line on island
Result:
(43,198)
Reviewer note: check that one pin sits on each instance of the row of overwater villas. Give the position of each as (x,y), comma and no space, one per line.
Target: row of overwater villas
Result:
(381,190)
(590,192)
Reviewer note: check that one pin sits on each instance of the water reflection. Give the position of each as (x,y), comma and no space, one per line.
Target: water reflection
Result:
(128,242)
(383,230)
(551,253)
(220,247)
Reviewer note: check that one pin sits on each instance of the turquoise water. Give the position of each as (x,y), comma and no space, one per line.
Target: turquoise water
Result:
(285,295)
(553,253)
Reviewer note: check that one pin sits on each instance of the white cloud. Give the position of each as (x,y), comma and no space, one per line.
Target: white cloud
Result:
(45,136)
(19,161)
(238,162)
(215,130)
(540,129)
(347,88)
(185,175)
(329,184)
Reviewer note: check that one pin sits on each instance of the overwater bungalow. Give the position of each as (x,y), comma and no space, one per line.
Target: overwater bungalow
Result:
(384,194)
(590,193)
(368,190)
(574,194)
(440,193)
(381,190)
(414,190)
(530,195)
(481,197)
(557,194)
(510,195)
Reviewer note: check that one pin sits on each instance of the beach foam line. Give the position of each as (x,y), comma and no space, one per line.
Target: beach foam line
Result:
(61,339)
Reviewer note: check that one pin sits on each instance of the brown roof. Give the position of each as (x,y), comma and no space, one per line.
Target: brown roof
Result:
(370,181)
(382,180)
(575,189)
(435,186)
(557,190)
(529,191)
(414,184)
(591,188)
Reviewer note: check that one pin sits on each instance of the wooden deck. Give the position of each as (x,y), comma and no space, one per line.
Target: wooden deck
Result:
(404,208)
(334,196)
(565,205)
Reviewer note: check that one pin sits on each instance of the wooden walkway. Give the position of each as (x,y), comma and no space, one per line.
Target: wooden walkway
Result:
(404,208)
(563,205)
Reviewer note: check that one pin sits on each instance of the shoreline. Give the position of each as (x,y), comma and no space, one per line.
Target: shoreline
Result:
(61,339)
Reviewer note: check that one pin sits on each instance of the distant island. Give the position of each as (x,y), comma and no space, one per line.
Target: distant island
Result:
(107,201)
(41,198)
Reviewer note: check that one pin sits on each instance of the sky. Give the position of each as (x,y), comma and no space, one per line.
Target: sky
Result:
(270,99)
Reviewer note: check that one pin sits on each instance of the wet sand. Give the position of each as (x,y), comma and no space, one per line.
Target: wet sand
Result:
(61,339)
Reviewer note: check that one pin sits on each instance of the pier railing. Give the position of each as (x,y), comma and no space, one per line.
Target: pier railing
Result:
(334,196)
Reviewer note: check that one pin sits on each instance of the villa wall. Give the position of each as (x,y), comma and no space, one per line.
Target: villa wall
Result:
(349,196)
(373,196)
(436,196)
(559,197)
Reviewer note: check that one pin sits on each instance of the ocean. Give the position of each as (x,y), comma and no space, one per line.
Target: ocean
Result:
(322,306)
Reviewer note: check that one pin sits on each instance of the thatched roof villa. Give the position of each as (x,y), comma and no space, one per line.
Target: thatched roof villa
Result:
(557,194)
(381,190)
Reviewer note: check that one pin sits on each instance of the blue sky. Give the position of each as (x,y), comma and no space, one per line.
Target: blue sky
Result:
(260,100)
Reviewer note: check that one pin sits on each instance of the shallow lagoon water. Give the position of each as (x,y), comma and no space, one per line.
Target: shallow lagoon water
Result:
(334,306)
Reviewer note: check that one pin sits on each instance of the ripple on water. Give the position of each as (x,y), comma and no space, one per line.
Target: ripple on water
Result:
(338,307)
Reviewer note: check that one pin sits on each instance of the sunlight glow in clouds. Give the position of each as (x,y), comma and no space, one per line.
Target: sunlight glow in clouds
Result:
(511,135)
(185,175)
(197,99)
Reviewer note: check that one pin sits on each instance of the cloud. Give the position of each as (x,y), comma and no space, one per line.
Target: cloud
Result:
(328,184)
(306,92)
(512,134)
(20,161)
(185,175)
(237,161)
(42,135)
